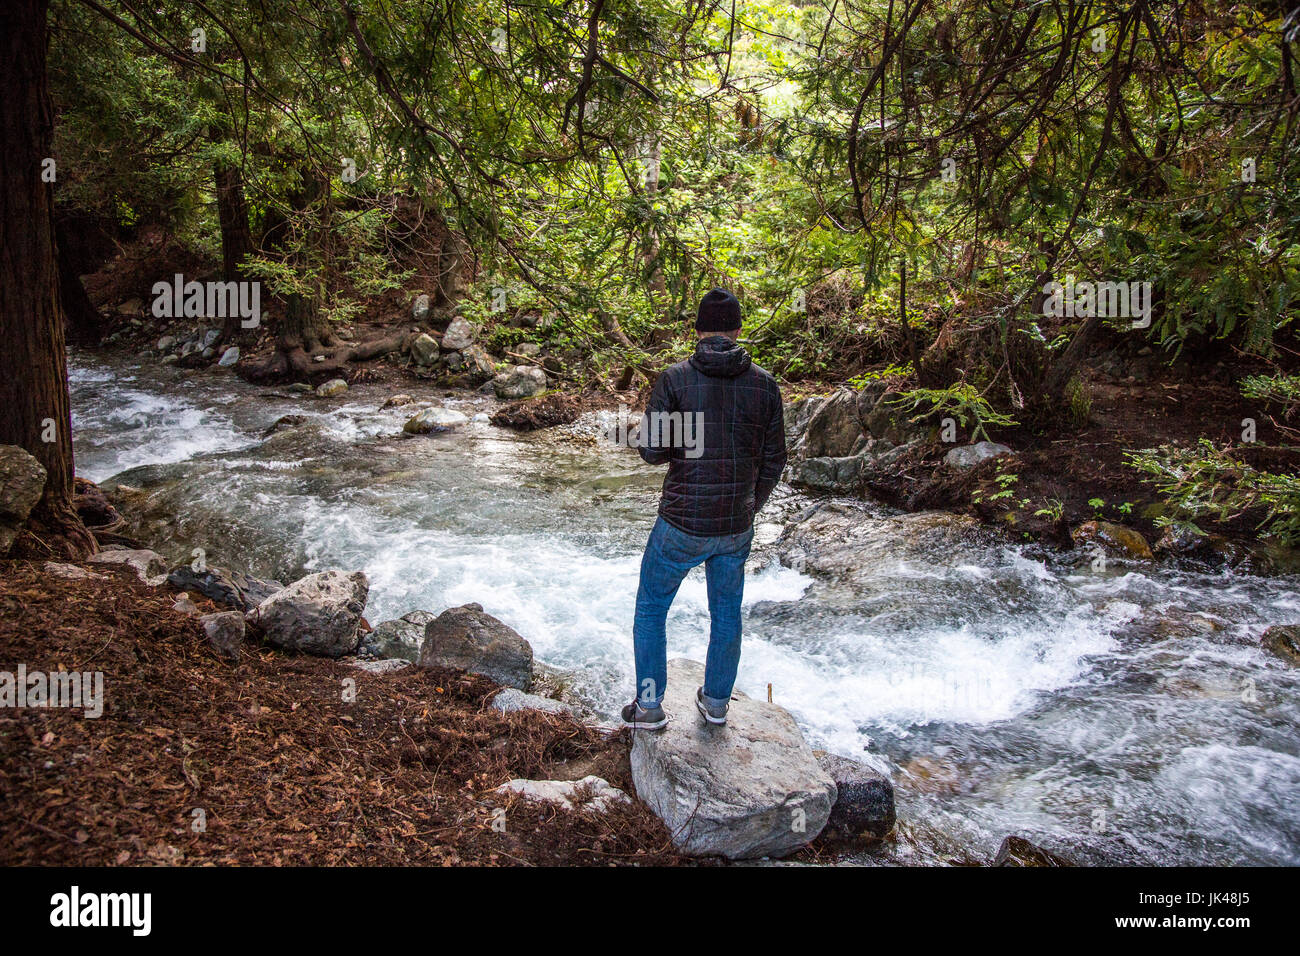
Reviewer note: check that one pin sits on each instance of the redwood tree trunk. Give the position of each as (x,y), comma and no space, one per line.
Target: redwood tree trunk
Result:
(236,236)
(33,365)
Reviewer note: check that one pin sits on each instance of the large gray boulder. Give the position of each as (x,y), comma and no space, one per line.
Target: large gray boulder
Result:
(469,639)
(424,349)
(22,479)
(750,788)
(434,420)
(459,335)
(319,614)
(834,429)
(520,381)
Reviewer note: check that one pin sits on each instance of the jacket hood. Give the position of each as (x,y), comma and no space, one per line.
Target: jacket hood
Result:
(720,357)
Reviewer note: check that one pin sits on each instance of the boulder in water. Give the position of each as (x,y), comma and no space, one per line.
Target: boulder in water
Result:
(1115,538)
(434,420)
(1017,851)
(1284,641)
(319,614)
(467,638)
(864,802)
(22,480)
(749,788)
(396,401)
(335,386)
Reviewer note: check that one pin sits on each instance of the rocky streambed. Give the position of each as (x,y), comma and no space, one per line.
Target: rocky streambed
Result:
(1128,714)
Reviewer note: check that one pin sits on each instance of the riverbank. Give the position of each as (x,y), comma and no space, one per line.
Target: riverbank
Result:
(197,760)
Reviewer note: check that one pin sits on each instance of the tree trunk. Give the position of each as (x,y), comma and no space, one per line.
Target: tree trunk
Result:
(85,324)
(236,236)
(34,402)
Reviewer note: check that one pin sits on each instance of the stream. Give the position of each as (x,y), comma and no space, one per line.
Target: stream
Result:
(1124,717)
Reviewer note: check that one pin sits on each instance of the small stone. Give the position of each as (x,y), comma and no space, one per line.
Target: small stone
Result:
(229,357)
(420,310)
(424,349)
(396,401)
(225,633)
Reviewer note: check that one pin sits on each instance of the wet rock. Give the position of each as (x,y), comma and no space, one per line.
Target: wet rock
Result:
(225,633)
(149,566)
(590,794)
(1284,641)
(968,456)
(229,357)
(883,417)
(534,413)
(797,414)
(424,349)
(864,802)
(169,359)
(851,541)
(512,699)
(434,420)
(209,338)
(285,421)
(166,343)
(396,401)
(520,381)
(1115,538)
(301,388)
(335,386)
(467,638)
(453,361)
(1017,851)
(231,589)
(319,614)
(22,480)
(459,335)
(749,788)
(403,637)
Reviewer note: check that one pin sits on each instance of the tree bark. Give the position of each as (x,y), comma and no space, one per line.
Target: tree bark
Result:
(34,403)
(236,236)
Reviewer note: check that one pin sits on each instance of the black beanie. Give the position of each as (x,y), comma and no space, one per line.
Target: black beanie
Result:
(719,312)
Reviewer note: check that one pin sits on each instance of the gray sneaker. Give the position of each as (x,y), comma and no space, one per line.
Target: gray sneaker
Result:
(710,712)
(639,718)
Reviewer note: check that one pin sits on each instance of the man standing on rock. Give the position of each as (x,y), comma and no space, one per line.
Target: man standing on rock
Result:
(716,420)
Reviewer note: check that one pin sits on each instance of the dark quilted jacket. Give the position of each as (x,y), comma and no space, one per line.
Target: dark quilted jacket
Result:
(743,447)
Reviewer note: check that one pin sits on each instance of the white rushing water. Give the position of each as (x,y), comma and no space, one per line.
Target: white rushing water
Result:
(1123,717)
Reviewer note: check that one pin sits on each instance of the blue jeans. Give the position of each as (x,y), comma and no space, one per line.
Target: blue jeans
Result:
(669,555)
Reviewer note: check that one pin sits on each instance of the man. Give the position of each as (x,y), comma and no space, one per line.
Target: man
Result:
(716,420)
